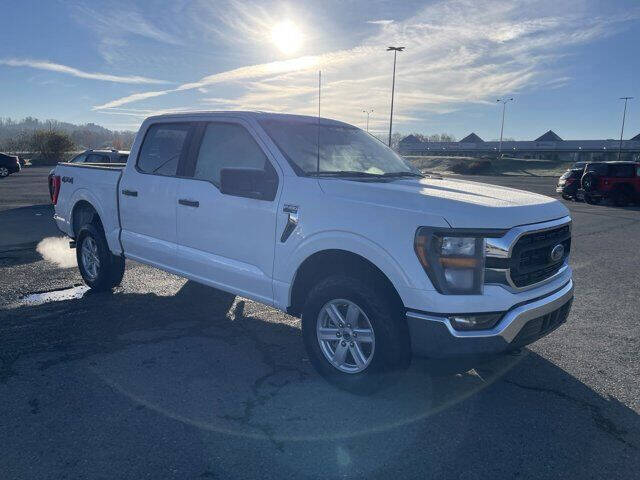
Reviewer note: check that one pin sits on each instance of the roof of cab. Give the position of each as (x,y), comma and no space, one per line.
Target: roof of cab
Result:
(257,115)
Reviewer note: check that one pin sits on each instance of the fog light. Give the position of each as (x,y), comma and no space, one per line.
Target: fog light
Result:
(482,321)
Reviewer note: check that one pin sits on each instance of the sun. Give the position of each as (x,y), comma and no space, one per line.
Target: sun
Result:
(287,37)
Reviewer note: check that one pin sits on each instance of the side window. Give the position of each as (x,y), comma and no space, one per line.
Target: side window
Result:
(80,158)
(622,171)
(227,145)
(162,147)
(96,158)
(638,171)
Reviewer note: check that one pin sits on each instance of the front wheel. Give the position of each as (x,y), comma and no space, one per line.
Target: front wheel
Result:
(4,172)
(100,269)
(355,335)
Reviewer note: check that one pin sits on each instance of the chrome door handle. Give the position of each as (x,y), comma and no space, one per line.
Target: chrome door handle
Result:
(292,221)
(130,193)
(189,203)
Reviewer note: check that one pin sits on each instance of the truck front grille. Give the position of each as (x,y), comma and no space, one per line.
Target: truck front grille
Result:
(531,261)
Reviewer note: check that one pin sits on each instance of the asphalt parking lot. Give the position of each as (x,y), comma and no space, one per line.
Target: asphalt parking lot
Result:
(167,379)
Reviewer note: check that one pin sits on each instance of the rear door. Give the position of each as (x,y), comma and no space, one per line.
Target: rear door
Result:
(223,240)
(148,195)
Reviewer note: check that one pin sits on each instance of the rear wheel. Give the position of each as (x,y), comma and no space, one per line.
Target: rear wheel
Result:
(4,172)
(100,269)
(622,197)
(354,334)
(591,200)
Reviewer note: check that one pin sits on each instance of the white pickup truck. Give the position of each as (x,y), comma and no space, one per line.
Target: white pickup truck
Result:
(317,218)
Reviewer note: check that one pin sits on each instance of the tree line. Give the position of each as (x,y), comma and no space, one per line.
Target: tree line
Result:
(51,138)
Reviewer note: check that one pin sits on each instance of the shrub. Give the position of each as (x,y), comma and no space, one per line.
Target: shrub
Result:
(476,167)
(50,145)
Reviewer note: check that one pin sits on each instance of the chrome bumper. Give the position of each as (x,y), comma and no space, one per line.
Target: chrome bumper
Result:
(434,336)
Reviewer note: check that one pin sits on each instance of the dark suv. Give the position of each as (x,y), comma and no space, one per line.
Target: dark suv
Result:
(569,182)
(101,156)
(8,164)
(618,181)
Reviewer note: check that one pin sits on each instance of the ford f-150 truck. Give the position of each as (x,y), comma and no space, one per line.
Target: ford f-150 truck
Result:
(318,218)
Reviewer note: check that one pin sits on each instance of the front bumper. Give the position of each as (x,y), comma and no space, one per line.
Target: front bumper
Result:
(433,336)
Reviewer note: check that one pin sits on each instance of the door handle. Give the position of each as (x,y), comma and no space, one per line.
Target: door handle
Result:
(189,203)
(130,193)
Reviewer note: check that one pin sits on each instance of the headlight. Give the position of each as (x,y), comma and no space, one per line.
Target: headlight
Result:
(453,260)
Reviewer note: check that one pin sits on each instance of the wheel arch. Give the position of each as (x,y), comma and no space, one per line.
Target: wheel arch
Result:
(324,263)
(84,201)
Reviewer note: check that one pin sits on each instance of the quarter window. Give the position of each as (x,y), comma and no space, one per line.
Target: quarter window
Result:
(227,145)
(162,147)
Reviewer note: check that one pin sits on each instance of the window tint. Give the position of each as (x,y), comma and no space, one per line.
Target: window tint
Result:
(227,145)
(96,158)
(163,144)
(80,158)
(599,168)
(622,171)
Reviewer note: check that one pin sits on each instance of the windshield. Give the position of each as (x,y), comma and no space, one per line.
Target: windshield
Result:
(342,149)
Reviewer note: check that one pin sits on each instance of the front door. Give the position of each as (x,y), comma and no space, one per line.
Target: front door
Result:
(148,195)
(223,240)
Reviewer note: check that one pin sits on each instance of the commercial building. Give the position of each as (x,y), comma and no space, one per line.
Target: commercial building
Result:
(546,147)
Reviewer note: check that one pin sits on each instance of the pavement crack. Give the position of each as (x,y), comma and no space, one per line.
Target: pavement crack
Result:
(602,423)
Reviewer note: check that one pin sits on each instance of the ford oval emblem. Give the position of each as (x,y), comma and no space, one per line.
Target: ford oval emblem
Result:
(557,253)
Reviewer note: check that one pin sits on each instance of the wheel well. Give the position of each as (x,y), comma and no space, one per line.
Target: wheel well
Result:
(83,213)
(330,262)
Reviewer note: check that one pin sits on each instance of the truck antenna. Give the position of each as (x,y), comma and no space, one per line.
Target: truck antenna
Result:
(318,129)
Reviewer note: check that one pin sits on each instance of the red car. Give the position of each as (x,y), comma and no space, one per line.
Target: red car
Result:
(618,181)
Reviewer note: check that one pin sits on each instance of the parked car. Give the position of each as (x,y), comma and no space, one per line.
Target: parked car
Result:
(380,261)
(617,181)
(9,164)
(101,156)
(569,182)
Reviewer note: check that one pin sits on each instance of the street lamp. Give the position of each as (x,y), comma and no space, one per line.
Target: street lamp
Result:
(504,102)
(626,99)
(368,112)
(393,85)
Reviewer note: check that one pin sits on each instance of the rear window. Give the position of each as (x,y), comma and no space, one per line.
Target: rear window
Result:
(598,168)
(162,147)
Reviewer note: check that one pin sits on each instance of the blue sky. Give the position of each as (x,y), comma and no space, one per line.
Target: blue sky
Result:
(115,62)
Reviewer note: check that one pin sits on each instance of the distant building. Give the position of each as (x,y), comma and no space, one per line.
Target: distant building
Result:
(548,146)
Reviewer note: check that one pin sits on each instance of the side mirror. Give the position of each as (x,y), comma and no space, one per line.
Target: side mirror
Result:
(249,182)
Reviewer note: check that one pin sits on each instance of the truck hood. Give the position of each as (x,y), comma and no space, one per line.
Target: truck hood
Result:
(462,203)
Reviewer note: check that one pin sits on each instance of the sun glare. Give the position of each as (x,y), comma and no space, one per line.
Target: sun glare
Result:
(287,37)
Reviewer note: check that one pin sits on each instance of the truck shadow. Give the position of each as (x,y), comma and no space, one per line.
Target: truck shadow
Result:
(238,369)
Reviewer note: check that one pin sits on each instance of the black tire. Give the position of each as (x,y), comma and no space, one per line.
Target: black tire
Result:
(622,197)
(567,197)
(392,353)
(591,200)
(110,271)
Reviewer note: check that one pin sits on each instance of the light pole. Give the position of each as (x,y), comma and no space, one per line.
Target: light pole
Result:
(504,102)
(624,115)
(393,85)
(368,112)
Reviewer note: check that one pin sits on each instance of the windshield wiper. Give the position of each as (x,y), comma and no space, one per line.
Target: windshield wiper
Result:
(402,174)
(343,173)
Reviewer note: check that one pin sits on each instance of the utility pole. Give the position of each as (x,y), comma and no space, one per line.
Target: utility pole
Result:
(504,102)
(624,115)
(368,112)
(393,86)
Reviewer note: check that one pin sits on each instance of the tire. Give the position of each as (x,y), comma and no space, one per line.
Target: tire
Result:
(108,270)
(4,172)
(621,197)
(591,200)
(589,182)
(567,197)
(382,360)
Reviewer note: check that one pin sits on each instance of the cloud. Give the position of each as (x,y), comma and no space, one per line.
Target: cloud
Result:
(56,67)
(459,52)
